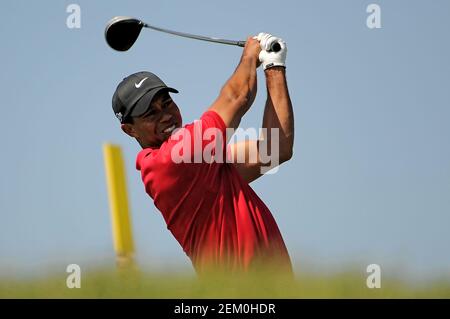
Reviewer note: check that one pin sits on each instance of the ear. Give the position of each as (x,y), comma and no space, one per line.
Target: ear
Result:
(129,130)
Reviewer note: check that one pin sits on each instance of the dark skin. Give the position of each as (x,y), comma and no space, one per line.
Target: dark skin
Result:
(148,128)
(235,98)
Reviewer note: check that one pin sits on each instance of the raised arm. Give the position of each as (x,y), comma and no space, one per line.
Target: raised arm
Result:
(238,93)
(278,115)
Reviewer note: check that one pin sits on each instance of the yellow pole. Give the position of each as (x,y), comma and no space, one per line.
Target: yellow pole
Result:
(118,204)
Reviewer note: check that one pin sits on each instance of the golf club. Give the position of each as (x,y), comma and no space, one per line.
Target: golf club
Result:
(122,32)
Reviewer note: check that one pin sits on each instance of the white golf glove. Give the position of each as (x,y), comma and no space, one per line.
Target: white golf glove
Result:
(269,58)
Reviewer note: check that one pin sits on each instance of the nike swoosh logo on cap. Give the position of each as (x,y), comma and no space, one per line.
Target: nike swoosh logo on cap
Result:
(138,85)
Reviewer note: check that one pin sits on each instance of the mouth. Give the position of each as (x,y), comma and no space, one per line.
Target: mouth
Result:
(169,129)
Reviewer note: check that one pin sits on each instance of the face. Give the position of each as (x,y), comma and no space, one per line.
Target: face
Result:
(157,124)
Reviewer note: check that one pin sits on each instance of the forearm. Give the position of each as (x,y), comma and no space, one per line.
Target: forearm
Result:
(278,112)
(238,93)
(242,84)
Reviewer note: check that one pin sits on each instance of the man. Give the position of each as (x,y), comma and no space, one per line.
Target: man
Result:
(209,206)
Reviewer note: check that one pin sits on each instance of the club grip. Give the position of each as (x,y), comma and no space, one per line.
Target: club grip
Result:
(275,47)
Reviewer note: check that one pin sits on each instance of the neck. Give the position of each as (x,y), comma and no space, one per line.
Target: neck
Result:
(146,145)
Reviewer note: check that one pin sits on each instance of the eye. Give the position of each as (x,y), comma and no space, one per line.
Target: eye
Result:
(151,113)
(167,103)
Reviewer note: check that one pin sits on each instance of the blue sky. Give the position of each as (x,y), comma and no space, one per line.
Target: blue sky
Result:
(370,177)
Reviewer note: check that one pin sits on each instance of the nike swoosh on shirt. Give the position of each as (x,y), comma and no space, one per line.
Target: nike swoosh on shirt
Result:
(138,85)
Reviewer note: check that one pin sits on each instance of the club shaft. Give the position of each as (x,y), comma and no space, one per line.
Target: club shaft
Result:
(197,37)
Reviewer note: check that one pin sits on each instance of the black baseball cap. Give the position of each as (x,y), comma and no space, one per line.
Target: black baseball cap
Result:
(135,93)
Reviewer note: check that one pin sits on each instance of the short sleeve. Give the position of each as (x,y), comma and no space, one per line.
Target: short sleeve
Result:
(213,120)
(203,141)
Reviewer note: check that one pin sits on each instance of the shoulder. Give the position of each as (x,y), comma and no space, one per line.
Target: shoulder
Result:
(144,155)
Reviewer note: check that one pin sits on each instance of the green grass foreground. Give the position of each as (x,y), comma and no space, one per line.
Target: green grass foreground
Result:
(113,284)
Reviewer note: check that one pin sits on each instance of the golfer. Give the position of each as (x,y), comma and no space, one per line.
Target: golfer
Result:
(208,205)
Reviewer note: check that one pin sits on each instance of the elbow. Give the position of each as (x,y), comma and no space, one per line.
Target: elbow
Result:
(236,100)
(286,155)
(234,95)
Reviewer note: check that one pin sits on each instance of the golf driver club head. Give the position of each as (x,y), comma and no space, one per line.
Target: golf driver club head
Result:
(121,32)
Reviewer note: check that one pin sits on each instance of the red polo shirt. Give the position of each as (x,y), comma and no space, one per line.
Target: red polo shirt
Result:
(212,212)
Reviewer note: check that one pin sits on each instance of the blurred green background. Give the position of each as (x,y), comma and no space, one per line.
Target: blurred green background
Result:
(368,183)
(120,284)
